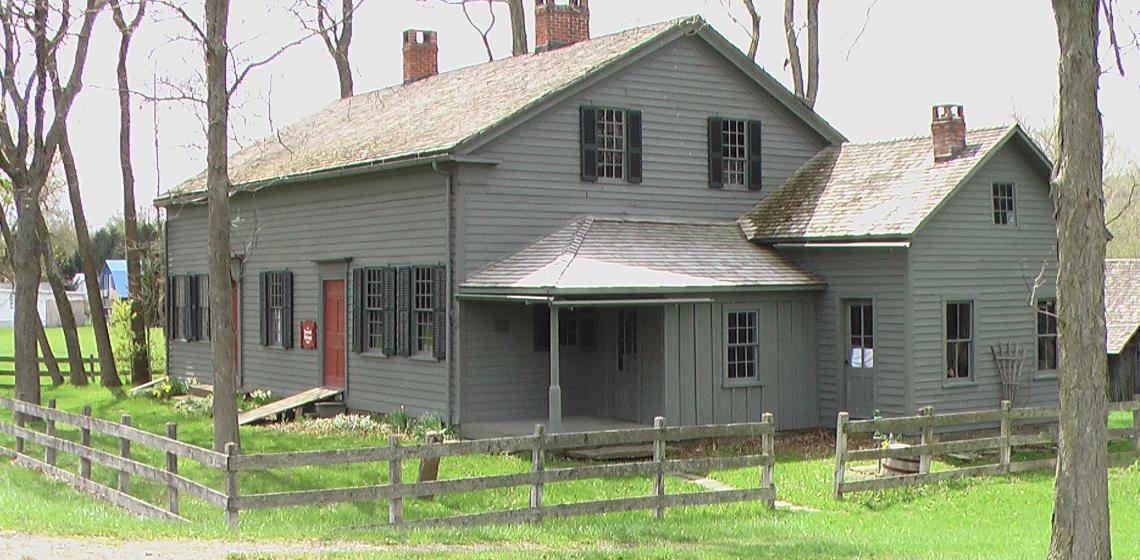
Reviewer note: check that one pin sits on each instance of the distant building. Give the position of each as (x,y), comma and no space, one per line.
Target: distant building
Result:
(45,304)
(113,281)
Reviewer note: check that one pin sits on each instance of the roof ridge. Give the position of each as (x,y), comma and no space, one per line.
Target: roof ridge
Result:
(663,220)
(901,139)
(573,245)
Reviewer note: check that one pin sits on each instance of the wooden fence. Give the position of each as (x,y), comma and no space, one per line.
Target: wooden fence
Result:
(1004,443)
(8,368)
(232,463)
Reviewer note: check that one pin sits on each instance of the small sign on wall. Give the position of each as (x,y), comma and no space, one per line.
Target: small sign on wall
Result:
(308,335)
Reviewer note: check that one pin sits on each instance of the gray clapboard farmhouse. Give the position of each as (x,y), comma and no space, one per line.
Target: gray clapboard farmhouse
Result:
(610,229)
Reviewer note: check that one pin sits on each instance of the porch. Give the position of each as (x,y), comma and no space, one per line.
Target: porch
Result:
(525,426)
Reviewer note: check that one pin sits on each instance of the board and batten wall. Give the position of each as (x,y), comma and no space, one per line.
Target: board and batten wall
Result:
(695,352)
(961,255)
(875,274)
(536,187)
(312,229)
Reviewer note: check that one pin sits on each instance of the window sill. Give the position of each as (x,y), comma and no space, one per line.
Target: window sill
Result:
(951,382)
(1046,374)
(741,384)
(424,358)
(373,355)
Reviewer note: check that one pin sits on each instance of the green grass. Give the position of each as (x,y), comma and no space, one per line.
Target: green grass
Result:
(995,517)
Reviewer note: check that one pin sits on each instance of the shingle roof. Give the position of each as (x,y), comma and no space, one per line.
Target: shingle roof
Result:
(429,116)
(624,254)
(1121,301)
(882,189)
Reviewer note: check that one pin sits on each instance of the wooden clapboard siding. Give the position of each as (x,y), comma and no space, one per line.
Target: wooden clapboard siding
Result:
(535,188)
(878,274)
(694,373)
(376,220)
(961,255)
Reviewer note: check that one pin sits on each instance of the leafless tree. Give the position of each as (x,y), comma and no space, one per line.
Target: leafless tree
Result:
(37,99)
(66,315)
(752,26)
(1080,499)
(140,355)
(335,30)
(518,23)
(41,336)
(809,88)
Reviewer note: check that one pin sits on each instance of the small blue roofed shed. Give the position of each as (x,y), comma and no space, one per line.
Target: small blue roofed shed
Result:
(113,279)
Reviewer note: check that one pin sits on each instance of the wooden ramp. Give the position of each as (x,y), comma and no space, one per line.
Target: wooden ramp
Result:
(288,403)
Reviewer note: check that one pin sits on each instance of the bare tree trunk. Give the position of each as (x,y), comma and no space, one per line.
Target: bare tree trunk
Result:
(793,47)
(66,318)
(108,376)
(518,27)
(49,356)
(812,88)
(1080,500)
(26,260)
(218,187)
(140,356)
(754,31)
(343,42)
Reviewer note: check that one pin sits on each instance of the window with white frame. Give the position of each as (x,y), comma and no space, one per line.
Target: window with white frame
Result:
(743,343)
(959,339)
(734,152)
(1046,334)
(275,308)
(861,328)
(1003,204)
(611,138)
(423,311)
(373,317)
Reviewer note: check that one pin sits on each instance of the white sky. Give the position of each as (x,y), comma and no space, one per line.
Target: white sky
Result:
(995,57)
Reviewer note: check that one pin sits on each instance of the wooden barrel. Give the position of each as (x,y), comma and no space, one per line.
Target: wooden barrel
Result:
(896,466)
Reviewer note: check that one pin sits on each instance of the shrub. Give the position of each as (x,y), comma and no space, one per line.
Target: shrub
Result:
(338,425)
(197,407)
(260,397)
(122,341)
(169,387)
(397,420)
(427,422)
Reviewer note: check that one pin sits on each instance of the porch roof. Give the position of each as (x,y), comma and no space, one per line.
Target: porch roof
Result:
(596,255)
(1121,301)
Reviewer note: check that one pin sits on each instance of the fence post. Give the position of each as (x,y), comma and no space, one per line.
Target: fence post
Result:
(85,441)
(172,468)
(124,452)
(49,451)
(1006,431)
(429,468)
(659,466)
(395,504)
(231,486)
(1136,424)
(840,452)
(537,466)
(927,439)
(768,448)
(20,422)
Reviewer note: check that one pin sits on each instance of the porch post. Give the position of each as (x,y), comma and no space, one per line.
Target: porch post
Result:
(555,395)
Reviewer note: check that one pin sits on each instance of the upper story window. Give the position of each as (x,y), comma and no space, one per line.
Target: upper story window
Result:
(1046,334)
(610,144)
(1004,214)
(742,337)
(734,153)
(276,307)
(959,339)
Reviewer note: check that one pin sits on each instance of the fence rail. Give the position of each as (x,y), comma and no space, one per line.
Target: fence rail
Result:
(232,463)
(8,368)
(925,422)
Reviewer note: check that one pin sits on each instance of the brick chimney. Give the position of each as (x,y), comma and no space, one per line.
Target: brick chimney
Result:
(560,24)
(948,127)
(421,55)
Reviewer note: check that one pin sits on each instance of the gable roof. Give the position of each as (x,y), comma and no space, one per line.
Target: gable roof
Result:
(451,112)
(881,190)
(1121,301)
(611,255)
(116,271)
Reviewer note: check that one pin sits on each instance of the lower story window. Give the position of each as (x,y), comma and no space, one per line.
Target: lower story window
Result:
(959,340)
(743,345)
(275,308)
(423,311)
(181,308)
(373,296)
(1046,334)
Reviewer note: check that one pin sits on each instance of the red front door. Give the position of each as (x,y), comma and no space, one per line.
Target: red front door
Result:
(334,333)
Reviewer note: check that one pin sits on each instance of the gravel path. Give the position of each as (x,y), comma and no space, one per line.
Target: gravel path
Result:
(22,546)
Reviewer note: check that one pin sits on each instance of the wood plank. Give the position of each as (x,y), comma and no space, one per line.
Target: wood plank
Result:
(288,403)
(916,479)
(139,389)
(127,502)
(956,446)
(182,449)
(1121,433)
(1037,464)
(904,423)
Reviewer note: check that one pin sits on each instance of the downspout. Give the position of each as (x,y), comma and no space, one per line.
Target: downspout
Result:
(452,323)
(165,291)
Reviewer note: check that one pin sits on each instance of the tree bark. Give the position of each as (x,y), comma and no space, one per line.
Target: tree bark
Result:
(140,355)
(754,31)
(793,47)
(108,376)
(67,321)
(218,187)
(812,88)
(1080,502)
(26,260)
(49,356)
(518,27)
(340,56)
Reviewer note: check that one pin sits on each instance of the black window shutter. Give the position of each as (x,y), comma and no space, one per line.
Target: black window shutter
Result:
(755,167)
(389,303)
(287,312)
(192,309)
(541,328)
(716,153)
(204,285)
(588,124)
(403,311)
(187,316)
(633,143)
(439,313)
(263,305)
(170,308)
(358,310)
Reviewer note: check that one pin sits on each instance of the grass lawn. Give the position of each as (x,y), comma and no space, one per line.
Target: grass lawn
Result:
(86,344)
(996,517)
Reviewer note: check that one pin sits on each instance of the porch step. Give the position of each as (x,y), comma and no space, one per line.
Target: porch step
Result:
(288,403)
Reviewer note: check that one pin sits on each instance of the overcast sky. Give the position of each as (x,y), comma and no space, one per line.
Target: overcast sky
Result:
(883,65)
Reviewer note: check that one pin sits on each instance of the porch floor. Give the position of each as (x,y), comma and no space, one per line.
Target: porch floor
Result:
(525,426)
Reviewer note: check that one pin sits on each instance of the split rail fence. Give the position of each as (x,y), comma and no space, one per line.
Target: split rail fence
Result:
(1004,443)
(232,463)
(8,368)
